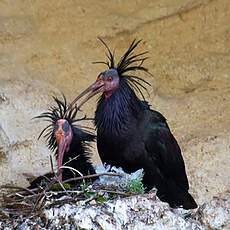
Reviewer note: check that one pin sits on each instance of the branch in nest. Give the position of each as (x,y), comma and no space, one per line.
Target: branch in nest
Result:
(92,176)
(51,164)
(17,187)
(116,192)
(32,201)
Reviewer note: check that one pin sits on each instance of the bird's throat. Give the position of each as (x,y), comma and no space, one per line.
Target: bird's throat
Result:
(108,94)
(116,110)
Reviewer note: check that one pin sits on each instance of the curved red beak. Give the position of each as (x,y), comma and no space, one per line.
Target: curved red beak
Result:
(64,139)
(95,88)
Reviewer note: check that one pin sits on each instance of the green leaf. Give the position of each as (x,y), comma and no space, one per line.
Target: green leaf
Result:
(101,199)
(136,186)
(57,187)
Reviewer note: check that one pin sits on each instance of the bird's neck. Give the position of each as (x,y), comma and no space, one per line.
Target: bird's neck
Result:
(116,113)
(75,147)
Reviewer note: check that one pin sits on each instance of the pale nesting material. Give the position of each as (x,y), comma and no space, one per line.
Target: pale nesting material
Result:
(121,182)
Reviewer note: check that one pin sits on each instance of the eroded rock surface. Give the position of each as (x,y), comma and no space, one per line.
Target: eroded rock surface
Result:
(47,47)
(215,214)
(20,151)
(137,212)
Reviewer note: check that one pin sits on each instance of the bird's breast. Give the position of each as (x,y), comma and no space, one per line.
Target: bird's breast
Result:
(119,151)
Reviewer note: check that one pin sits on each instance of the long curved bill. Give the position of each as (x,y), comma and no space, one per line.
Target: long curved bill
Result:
(92,90)
(60,155)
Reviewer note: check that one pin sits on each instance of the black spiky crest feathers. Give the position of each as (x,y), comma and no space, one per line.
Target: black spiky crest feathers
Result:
(56,112)
(129,62)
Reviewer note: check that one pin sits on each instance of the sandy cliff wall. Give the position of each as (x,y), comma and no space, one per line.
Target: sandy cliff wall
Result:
(46,47)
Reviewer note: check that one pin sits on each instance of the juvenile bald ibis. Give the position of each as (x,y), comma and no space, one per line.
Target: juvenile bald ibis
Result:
(68,140)
(133,136)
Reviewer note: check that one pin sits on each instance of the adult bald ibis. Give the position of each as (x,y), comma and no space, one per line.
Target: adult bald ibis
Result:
(133,136)
(69,141)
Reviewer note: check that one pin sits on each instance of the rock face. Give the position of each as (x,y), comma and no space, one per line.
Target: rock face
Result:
(215,214)
(46,47)
(21,152)
(137,212)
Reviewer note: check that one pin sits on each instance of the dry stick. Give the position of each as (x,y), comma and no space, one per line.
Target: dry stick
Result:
(47,188)
(89,199)
(59,182)
(116,192)
(22,198)
(63,187)
(40,196)
(92,176)
(17,187)
(33,191)
(66,181)
(50,193)
(51,165)
(38,200)
(15,211)
(71,160)
(80,178)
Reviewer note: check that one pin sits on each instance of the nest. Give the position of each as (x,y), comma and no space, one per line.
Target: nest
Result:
(17,202)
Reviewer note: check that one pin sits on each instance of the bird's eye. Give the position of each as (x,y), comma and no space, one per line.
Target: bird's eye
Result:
(110,78)
(65,127)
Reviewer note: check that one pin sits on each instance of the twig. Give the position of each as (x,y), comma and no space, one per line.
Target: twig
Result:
(17,187)
(91,176)
(116,192)
(33,192)
(39,201)
(60,183)
(51,164)
(61,192)
(36,198)
(89,199)
(73,169)
(26,196)
(18,194)
(71,160)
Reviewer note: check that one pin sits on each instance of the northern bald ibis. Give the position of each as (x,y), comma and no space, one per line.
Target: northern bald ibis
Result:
(69,141)
(130,134)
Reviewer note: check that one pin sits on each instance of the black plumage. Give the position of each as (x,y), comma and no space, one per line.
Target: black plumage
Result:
(133,136)
(78,155)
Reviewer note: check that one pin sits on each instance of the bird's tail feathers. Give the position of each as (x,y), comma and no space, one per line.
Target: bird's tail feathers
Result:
(179,197)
